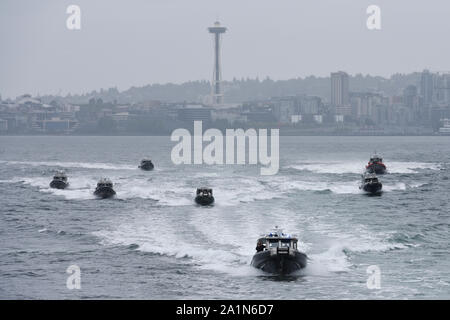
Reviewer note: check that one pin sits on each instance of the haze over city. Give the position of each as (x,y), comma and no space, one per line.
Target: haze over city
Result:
(135,43)
(225,155)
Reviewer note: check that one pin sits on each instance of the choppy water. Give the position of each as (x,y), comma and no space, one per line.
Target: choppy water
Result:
(153,242)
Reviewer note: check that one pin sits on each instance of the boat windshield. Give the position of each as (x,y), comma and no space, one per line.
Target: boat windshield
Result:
(101,185)
(204,192)
(273,243)
(285,243)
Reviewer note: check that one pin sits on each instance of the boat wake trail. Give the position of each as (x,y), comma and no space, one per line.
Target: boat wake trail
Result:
(80,188)
(181,193)
(345,167)
(162,235)
(287,185)
(337,255)
(61,164)
(210,239)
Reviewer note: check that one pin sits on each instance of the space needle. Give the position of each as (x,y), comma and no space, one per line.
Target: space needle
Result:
(216,89)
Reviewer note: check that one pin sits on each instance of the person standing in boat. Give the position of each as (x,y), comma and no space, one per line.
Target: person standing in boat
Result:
(260,246)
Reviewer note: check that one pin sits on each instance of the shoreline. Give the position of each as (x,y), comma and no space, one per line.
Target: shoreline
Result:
(281,135)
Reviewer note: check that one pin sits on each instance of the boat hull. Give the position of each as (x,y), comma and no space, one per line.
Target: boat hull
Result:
(377,168)
(147,167)
(372,187)
(104,192)
(279,263)
(204,200)
(58,184)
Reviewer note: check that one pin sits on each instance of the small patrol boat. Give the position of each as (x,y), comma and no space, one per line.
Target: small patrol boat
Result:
(204,196)
(104,189)
(277,252)
(59,181)
(376,165)
(370,183)
(146,164)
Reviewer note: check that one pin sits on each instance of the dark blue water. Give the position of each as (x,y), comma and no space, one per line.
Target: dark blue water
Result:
(152,242)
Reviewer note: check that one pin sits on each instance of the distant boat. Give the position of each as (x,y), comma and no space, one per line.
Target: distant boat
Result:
(59,181)
(277,252)
(376,165)
(146,164)
(370,183)
(204,196)
(104,189)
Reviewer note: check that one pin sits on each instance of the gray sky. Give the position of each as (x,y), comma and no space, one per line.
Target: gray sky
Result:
(139,42)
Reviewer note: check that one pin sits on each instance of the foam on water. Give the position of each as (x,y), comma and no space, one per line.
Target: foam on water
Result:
(159,235)
(228,247)
(80,188)
(14,180)
(336,257)
(215,242)
(83,187)
(341,231)
(341,167)
(332,260)
(337,187)
(85,165)
(233,195)
(172,192)
(166,193)
(338,245)
(179,193)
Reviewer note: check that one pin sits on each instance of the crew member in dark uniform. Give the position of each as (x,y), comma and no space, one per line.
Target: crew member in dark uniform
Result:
(260,247)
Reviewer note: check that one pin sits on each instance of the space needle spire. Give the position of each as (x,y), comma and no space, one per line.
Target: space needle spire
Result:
(216,86)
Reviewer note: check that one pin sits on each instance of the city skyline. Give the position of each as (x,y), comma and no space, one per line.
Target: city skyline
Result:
(421,107)
(233,79)
(42,56)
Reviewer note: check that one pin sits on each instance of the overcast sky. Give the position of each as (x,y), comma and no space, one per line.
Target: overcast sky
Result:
(139,42)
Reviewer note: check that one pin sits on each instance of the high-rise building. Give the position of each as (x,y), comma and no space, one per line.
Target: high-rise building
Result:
(442,88)
(340,93)
(426,87)
(446,87)
(367,105)
(410,96)
(414,103)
